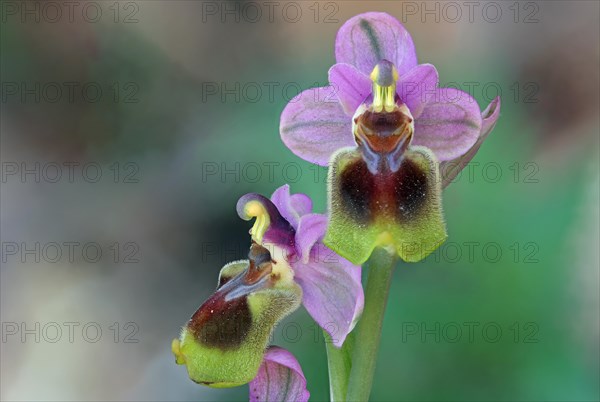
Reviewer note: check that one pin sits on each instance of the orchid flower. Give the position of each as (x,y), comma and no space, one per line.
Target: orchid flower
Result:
(331,285)
(224,342)
(391,137)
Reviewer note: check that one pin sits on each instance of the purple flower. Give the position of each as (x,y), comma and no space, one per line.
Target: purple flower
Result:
(391,138)
(224,342)
(331,286)
(319,121)
(280,378)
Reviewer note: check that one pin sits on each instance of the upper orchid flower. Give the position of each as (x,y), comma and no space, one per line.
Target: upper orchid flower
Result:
(385,127)
(318,122)
(224,342)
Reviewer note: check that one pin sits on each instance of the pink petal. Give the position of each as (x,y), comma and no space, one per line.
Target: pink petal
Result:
(279,378)
(301,203)
(449,124)
(310,230)
(284,203)
(332,291)
(366,39)
(313,125)
(450,169)
(417,87)
(352,86)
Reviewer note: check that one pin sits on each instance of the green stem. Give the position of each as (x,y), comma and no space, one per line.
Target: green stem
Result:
(339,363)
(368,333)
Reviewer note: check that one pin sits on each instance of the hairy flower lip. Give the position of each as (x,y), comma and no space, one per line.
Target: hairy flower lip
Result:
(371,206)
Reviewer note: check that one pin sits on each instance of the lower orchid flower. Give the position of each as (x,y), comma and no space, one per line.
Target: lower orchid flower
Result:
(391,137)
(331,285)
(224,342)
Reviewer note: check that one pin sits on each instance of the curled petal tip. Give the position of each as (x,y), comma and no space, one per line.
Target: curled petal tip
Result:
(255,209)
(450,169)
(269,225)
(489,117)
(492,108)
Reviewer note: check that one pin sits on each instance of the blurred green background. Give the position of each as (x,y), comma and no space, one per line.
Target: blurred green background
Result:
(188,116)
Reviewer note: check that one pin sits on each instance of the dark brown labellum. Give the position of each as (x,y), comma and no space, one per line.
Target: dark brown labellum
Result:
(395,195)
(225,319)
